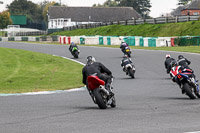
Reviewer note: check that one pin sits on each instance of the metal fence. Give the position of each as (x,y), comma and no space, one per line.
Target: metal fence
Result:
(137,22)
(31,33)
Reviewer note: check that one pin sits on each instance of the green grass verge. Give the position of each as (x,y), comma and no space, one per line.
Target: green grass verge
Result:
(191,28)
(25,71)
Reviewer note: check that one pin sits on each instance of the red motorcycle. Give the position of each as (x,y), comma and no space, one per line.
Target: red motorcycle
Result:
(100,95)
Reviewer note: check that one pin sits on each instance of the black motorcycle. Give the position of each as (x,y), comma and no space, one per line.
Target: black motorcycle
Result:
(127,51)
(188,83)
(130,70)
(75,52)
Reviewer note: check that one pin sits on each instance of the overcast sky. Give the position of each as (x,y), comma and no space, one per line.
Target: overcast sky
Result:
(159,7)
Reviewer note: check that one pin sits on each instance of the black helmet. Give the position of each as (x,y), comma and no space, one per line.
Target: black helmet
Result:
(180,57)
(90,59)
(173,63)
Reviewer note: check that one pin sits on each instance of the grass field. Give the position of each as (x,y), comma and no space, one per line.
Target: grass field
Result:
(191,28)
(25,71)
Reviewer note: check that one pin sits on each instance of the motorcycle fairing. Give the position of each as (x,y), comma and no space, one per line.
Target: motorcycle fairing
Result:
(94,82)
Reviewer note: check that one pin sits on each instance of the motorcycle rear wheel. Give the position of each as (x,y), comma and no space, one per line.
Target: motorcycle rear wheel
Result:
(131,72)
(101,102)
(188,91)
(75,54)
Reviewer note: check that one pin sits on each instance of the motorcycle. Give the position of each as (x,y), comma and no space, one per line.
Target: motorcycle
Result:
(130,70)
(100,95)
(188,83)
(127,51)
(75,52)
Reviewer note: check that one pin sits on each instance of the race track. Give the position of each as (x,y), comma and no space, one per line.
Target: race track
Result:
(150,103)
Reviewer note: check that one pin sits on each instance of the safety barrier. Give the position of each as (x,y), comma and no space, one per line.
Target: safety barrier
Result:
(102,40)
(116,40)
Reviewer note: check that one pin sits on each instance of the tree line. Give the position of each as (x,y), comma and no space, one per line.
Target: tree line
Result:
(37,13)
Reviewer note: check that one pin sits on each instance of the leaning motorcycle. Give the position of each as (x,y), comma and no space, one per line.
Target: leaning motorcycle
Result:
(100,95)
(75,52)
(130,70)
(127,51)
(188,83)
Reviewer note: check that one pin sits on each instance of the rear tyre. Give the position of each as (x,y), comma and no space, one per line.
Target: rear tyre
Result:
(188,91)
(75,54)
(101,102)
(131,72)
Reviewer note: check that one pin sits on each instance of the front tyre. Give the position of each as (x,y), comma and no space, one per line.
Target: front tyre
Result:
(101,102)
(76,54)
(188,90)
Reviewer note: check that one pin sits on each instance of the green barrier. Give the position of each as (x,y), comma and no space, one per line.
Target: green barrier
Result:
(130,40)
(11,39)
(37,39)
(187,41)
(152,42)
(100,40)
(108,40)
(82,40)
(24,38)
(141,42)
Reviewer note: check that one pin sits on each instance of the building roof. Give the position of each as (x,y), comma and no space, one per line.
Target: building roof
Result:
(177,11)
(194,5)
(93,14)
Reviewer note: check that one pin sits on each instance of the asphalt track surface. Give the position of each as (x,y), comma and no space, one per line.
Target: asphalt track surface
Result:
(150,103)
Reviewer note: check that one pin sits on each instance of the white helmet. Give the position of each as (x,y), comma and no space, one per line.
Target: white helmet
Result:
(90,59)
(167,56)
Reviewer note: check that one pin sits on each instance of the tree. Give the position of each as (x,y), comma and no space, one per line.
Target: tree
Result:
(183,2)
(5,19)
(28,8)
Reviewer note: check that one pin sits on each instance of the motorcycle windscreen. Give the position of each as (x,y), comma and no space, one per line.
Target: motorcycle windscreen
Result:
(94,82)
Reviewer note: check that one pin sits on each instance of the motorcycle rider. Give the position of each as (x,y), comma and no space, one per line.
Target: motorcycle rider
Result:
(123,45)
(126,60)
(72,45)
(182,61)
(92,67)
(168,62)
(175,70)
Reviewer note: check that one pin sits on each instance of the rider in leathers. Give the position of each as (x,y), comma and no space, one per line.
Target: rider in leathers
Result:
(72,45)
(92,67)
(183,62)
(168,62)
(126,61)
